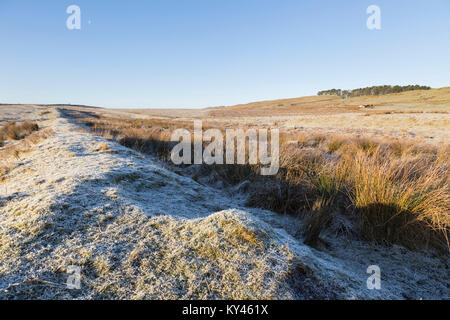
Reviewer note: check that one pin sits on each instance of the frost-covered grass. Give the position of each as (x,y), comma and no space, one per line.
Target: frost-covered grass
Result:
(129,256)
(139,231)
(393,191)
(77,200)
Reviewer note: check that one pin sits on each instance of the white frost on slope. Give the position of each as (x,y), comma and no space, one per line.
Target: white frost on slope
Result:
(141,231)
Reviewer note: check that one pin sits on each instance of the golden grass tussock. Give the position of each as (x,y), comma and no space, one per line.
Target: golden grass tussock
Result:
(400,201)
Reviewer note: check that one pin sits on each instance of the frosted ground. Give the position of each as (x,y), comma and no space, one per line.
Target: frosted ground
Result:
(139,231)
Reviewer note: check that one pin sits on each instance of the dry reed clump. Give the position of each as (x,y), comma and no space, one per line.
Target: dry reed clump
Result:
(335,143)
(383,190)
(391,193)
(401,201)
(11,153)
(389,199)
(14,131)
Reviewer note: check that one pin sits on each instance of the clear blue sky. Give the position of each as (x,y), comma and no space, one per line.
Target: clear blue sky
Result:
(198,53)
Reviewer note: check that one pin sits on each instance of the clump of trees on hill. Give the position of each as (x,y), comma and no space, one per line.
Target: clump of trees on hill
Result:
(371,91)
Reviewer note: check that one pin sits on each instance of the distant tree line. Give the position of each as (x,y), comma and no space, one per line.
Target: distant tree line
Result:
(371,91)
